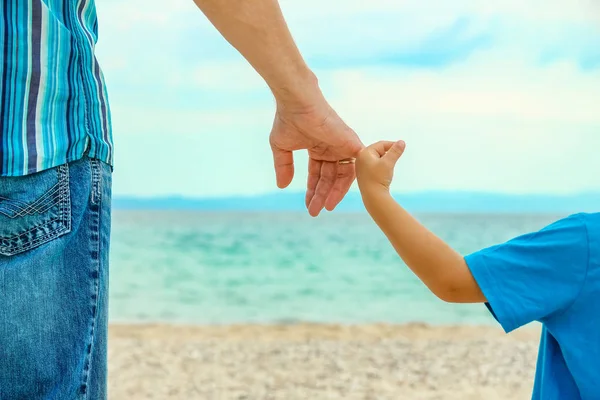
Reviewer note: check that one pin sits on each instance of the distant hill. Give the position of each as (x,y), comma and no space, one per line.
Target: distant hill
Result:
(457,202)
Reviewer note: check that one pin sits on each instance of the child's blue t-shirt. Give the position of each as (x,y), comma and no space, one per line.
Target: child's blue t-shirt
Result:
(551,276)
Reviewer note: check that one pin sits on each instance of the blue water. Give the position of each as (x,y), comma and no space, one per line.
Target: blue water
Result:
(222,268)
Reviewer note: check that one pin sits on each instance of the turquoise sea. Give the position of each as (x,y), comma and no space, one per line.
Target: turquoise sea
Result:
(227,267)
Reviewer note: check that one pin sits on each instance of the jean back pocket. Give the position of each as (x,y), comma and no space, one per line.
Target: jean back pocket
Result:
(34,209)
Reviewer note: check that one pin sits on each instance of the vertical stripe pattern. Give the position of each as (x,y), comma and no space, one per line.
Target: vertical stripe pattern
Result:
(53,99)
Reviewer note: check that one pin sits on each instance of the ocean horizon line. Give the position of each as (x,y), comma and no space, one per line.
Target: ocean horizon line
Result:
(418,201)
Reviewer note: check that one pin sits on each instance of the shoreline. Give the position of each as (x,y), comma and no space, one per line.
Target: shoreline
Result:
(319,331)
(318,361)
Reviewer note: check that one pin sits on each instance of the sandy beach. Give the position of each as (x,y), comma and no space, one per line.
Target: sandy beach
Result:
(320,362)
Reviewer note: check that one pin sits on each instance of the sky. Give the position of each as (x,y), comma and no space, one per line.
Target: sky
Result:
(490,95)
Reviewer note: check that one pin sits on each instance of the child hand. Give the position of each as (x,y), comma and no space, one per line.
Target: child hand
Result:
(375,165)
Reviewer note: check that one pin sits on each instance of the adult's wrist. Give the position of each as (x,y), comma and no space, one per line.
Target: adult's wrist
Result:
(300,94)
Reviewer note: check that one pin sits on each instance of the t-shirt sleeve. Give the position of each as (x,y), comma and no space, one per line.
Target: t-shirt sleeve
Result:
(534,276)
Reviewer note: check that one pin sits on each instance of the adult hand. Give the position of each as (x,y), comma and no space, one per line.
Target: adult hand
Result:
(304,119)
(317,128)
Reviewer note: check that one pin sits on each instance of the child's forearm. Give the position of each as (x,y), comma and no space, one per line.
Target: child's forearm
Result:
(442,269)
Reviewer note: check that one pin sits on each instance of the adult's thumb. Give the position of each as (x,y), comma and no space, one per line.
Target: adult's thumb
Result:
(395,152)
(284,167)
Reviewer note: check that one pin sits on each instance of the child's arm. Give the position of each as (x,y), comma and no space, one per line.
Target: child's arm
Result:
(442,269)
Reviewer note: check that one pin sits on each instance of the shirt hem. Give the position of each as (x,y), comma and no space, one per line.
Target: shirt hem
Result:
(63,160)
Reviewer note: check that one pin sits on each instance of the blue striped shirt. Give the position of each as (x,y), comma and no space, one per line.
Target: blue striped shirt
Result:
(53,101)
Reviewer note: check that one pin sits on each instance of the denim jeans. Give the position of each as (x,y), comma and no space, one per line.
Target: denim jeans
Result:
(54,239)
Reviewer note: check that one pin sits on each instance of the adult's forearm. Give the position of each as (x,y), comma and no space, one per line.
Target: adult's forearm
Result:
(257,29)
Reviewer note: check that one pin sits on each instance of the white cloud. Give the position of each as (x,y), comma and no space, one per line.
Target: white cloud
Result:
(501,89)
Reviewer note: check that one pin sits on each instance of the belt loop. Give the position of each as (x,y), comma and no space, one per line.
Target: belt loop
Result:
(96,180)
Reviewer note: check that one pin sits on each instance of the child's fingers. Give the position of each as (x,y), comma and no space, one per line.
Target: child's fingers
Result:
(395,151)
(381,147)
